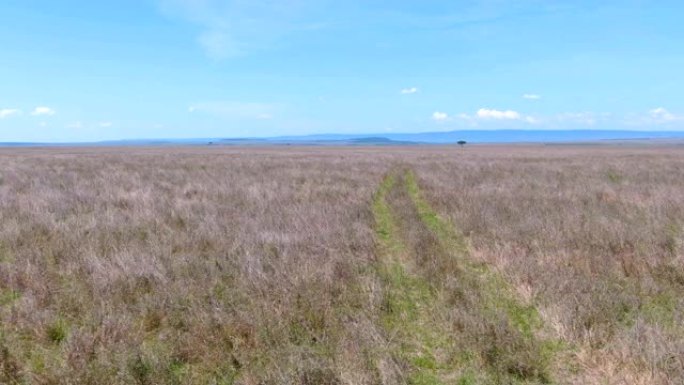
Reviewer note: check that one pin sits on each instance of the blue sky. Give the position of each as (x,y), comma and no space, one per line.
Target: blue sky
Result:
(96,70)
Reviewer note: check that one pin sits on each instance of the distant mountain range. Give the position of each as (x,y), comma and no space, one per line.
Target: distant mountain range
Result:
(482,136)
(450,137)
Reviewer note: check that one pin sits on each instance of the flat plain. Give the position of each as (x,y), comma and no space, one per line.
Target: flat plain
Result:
(342,265)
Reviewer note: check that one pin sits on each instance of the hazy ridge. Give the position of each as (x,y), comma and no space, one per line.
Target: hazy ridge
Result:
(447,137)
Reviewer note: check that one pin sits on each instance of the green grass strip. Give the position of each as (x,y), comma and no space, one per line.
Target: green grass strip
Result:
(496,290)
(497,295)
(407,299)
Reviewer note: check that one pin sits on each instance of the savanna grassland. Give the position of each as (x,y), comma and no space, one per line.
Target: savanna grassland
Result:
(366,265)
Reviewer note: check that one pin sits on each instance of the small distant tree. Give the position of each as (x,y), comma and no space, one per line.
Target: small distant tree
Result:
(461,143)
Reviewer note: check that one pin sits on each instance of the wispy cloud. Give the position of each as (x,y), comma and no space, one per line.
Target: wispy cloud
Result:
(43,111)
(219,44)
(75,125)
(230,28)
(105,124)
(487,114)
(656,117)
(235,110)
(532,96)
(581,118)
(7,112)
(662,115)
(659,116)
(409,91)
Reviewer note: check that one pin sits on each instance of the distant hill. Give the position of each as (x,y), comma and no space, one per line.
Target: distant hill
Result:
(502,136)
(471,136)
(386,139)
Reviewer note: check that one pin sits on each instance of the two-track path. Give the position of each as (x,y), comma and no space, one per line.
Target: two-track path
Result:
(449,319)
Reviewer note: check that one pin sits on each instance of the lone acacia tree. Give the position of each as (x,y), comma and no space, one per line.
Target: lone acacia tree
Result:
(461,143)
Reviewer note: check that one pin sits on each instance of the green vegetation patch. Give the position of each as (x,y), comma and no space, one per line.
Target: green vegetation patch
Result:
(408,301)
(512,351)
(385,224)
(8,297)
(660,309)
(614,176)
(494,289)
(5,255)
(415,305)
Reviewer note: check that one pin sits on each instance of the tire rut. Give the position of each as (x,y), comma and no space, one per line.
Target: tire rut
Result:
(448,319)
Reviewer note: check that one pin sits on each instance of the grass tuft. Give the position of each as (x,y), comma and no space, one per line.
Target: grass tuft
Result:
(58,331)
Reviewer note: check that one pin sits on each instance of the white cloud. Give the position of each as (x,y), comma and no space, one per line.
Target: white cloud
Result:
(106,124)
(532,96)
(75,125)
(661,115)
(654,117)
(235,110)
(7,112)
(440,116)
(43,111)
(409,91)
(485,113)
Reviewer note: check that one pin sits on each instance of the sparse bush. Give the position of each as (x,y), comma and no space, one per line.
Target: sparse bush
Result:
(141,370)
(57,331)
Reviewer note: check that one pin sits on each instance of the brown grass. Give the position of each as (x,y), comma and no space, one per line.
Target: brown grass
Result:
(592,236)
(261,265)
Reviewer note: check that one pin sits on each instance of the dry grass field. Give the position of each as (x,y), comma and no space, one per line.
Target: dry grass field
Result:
(367,265)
